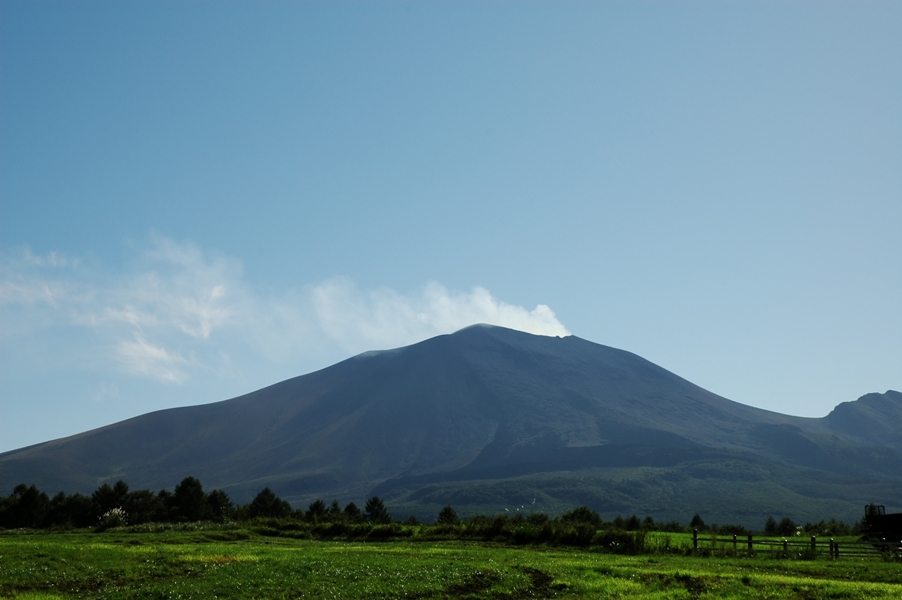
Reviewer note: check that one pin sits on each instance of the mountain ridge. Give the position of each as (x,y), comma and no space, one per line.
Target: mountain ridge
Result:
(483,401)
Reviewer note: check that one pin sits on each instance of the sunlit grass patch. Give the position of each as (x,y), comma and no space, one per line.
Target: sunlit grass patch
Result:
(220,559)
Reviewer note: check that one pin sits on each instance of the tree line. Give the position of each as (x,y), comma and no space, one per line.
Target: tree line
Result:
(117,505)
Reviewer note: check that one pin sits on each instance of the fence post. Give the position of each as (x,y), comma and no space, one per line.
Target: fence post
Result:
(814,545)
(785,545)
(695,539)
(832,544)
(751,549)
(734,542)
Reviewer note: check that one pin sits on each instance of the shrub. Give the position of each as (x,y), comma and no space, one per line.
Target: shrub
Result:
(730,529)
(115,517)
(387,531)
(621,542)
(584,514)
(539,518)
(577,534)
(525,533)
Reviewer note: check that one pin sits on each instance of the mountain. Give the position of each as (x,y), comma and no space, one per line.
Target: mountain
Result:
(481,411)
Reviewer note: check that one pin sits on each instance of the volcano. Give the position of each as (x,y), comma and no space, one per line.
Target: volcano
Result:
(494,417)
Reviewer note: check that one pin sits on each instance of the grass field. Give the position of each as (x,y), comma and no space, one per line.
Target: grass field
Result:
(238,563)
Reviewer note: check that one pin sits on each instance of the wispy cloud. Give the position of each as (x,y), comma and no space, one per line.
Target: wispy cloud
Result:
(105,390)
(51,259)
(178,310)
(140,357)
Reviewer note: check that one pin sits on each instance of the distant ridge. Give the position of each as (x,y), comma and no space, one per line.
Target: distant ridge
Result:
(485,404)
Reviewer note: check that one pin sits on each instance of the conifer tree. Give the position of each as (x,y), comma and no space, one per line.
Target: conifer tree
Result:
(375,511)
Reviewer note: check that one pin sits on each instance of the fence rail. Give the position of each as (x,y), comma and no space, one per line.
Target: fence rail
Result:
(812,547)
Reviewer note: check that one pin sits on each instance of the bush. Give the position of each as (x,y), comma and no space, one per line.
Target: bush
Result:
(577,534)
(388,531)
(539,518)
(584,514)
(524,534)
(621,542)
(730,529)
(115,517)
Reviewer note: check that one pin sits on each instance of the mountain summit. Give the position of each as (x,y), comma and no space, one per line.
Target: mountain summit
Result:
(482,404)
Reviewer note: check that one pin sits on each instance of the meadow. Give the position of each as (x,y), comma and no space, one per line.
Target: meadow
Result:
(222,561)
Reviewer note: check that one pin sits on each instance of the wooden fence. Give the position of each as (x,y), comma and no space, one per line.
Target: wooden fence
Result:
(811,547)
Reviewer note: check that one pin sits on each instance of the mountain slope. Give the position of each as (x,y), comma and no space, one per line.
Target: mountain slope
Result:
(485,402)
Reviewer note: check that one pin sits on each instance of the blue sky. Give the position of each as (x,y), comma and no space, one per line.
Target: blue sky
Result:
(199,199)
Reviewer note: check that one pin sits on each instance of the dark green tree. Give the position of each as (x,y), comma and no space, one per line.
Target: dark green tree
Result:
(447,516)
(538,518)
(76,510)
(786,526)
(219,505)
(189,502)
(770,526)
(26,507)
(352,513)
(267,504)
(143,506)
(375,511)
(730,529)
(316,511)
(697,523)
(108,497)
(583,514)
(334,512)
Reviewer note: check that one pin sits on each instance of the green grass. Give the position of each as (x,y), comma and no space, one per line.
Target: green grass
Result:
(222,562)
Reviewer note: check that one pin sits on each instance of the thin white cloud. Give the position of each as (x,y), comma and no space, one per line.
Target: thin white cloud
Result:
(140,357)
(106,390)
(30,292)
(179,310)
(51,259)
